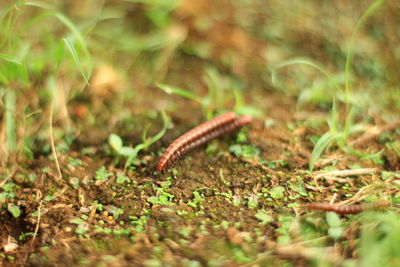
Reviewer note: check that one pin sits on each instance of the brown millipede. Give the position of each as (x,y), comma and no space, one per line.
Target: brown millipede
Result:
(347,209)
(200,135)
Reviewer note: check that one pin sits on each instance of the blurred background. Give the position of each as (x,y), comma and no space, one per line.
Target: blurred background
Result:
(105,62)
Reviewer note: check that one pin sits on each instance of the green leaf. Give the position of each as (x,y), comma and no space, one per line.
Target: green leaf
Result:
(303,62)
(77,221)
(335,232)
(122,178)
(115,142)
(371,9)
(326,140)
(71,48)
(10,59)
(102,174)
(177,91)
(14,210)
(246,151)
(115,211)
(252,202)
(81,229)
(138,148)
(299,188)
(333,219)
(126,151)
(277,192)
(263,216)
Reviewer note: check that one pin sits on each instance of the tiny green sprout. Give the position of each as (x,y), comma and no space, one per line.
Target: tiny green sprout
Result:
(23,235)
(161,198)
(14,210)
(122,178)
(277,192)
(77,221)
(245,151)
(252,202)
(98,205)
(197,199)
(181,212)
(221,175)
(50,197)
(241,137)
(225,225)
(299,188)
(32,177)
(239,255)
(263,216)
(76,162)
(74,181)
(82,229)
(45,170)
(115,211)
(8,187)
(102,174)
(185,232)
(139,223)
(237,200)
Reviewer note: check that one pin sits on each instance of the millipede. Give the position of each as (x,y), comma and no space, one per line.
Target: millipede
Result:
(201,135)
(347,209)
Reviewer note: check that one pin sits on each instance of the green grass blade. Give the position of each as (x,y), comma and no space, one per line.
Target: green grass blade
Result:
(303,62)
(10,101)
(179,92)
(326,140)
(371,9)
(10,59)
(60,17)
(76,33)
(71,48)
(152,140)
(349,123)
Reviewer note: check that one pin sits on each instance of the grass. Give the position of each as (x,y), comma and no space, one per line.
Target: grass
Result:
(220,91)
(131,153)
(119,80)
(337,133)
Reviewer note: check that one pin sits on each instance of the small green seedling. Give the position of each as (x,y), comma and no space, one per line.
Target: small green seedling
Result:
(263,217)
(130,153)
(14,210)
(102,174)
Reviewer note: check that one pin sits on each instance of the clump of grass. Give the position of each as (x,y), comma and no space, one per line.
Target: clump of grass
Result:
(220,90)
(20,68)
(338,133)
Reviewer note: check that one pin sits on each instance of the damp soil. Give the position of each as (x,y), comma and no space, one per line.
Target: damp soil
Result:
(202,212)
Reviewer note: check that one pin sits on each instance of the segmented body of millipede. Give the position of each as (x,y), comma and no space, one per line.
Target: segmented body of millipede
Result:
(347,209)
(200,135)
